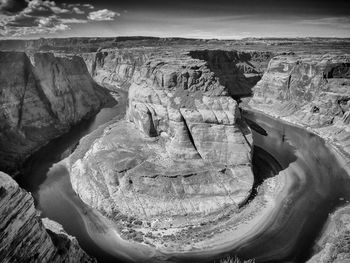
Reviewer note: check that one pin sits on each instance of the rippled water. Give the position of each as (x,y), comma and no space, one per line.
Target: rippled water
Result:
(50,184)
(318,186)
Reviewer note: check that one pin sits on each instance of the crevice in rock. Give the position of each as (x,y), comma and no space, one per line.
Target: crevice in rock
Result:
(26,73)
(190,135)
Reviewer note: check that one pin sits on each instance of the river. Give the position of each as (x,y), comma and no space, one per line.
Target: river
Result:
(318,185)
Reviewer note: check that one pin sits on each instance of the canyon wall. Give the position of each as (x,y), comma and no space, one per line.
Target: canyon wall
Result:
(24,237)
(41,98)
(112,68)
(313,92)
(310,91)
(238,71)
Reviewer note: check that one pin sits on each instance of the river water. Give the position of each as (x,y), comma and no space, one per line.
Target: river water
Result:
(319,185)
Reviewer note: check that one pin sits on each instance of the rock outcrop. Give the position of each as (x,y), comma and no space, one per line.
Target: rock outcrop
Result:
(310,91)
(24,237)
(334,245)
(182,158)
(112,68)
(313,92)
(41,100)
(237,71)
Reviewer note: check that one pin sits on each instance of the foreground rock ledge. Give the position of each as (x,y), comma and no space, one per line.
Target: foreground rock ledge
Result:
(180,159)
(24,237)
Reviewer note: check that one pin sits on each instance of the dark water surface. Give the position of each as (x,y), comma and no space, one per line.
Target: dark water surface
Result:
(319,186)
(51,187)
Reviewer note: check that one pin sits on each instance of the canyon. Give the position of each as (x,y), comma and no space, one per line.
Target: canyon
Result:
(198,168)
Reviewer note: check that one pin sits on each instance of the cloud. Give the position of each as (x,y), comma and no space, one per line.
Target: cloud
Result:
(88,6)
(102,15)
(20,18)
(77,10)
(12,6)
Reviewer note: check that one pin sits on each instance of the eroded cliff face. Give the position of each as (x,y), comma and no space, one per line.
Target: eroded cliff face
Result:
(41,100)
(313,92)
(112,68)
(24,237)
(237,71)
(179,159)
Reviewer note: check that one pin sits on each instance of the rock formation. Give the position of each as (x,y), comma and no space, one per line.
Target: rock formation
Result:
(313,92)
(24,237)
(41,100)
(237,71)
(333,244)
(182,158)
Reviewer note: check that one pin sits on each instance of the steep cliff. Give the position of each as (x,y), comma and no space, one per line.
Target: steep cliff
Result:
(182,158)
(40,101)
(311,91)
(24,237)
(110,67)
(237,71)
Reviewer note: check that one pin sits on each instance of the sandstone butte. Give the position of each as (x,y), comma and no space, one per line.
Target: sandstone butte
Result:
(157,173)
(180,158)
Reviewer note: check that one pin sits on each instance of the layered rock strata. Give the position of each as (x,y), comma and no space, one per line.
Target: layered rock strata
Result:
(237,71)
(24,237)
(179,159)
(41,99)
(313,92)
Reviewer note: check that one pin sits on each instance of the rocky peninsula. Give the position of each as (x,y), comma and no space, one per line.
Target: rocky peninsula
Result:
(224,145)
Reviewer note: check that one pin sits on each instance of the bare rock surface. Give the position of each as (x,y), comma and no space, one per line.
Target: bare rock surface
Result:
(179,158)
(41,100)
(333,245)
(25,237)
(310,91)
(238,71)
(313,92)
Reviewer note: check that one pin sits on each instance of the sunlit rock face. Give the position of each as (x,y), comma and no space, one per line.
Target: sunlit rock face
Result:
(312,91)
(112,68)
(179,158)
(40,100)
(24,237)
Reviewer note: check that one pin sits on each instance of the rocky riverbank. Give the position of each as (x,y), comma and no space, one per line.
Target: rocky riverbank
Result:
(25,237)
(313,92)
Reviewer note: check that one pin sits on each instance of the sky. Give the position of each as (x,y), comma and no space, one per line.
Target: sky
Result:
(221,19)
